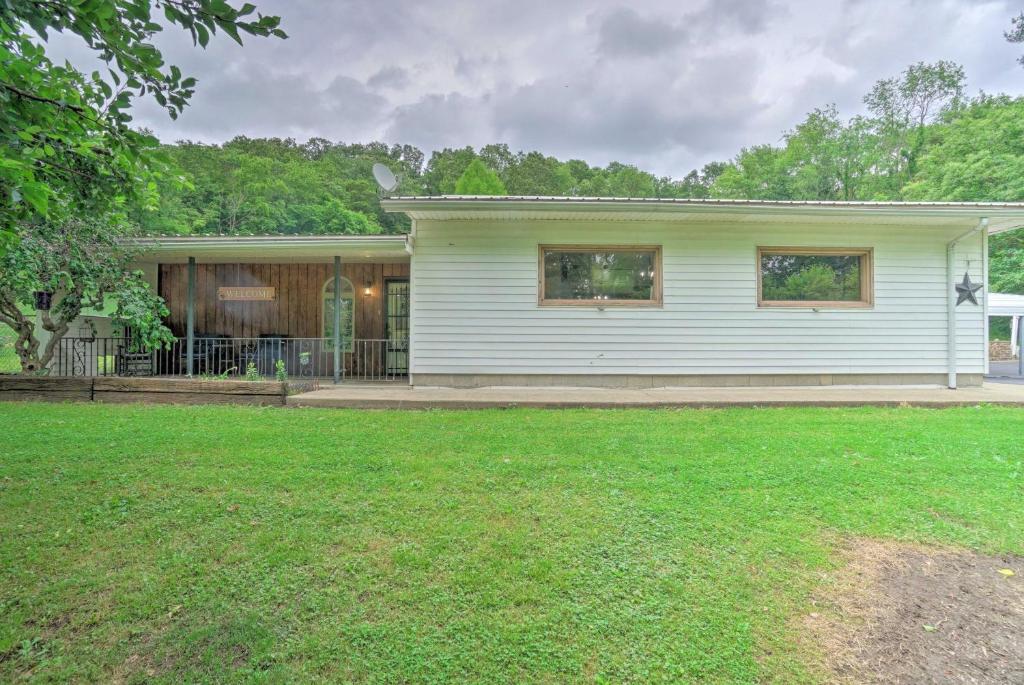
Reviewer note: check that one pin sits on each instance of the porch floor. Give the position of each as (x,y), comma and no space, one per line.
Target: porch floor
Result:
(397,396)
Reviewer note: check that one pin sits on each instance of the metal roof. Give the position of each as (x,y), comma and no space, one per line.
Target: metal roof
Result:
(1004,304)
(256,248)
(1002,215)
(699,201)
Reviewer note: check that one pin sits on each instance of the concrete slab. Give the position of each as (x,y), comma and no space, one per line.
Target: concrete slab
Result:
(405,397)
(1004,372)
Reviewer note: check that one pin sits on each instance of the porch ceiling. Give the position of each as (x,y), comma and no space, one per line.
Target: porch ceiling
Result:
(278,249)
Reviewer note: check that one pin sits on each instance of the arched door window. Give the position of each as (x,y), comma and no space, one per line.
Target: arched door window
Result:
(348,303)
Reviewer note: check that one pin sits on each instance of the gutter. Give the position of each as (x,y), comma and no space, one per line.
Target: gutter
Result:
(179,242)
(1010,214)
(951,351)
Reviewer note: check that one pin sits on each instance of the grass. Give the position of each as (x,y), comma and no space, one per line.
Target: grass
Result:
(192,544)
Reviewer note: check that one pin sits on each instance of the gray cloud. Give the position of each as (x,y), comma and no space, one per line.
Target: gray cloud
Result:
(666,84)
(389,77)
(623,32)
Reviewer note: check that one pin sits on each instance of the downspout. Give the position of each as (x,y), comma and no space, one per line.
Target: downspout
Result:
(984,292)
(951,354)
(410,247)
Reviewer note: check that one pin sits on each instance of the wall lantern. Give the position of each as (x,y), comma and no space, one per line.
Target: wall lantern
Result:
(368,287)
(44,299)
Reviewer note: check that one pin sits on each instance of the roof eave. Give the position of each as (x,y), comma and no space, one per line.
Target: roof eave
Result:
(1002,216)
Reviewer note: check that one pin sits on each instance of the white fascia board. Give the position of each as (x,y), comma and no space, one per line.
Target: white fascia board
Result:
(1002,216)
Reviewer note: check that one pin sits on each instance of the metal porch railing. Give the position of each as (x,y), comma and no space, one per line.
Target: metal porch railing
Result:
(214,357)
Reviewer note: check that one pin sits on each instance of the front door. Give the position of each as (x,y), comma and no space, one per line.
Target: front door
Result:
(396,325)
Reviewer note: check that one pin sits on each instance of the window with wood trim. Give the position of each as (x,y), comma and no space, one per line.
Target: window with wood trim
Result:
(592,275)
(814,277)
(348,311)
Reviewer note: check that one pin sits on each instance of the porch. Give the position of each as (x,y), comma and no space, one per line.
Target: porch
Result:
(311,307)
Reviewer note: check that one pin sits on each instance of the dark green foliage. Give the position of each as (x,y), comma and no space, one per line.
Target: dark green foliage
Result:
(66,146)
(85,264)
(265,186)
(478,179)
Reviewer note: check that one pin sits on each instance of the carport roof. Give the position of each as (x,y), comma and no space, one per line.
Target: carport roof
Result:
(1004,304)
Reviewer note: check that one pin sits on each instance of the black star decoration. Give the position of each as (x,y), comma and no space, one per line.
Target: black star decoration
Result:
(965,290)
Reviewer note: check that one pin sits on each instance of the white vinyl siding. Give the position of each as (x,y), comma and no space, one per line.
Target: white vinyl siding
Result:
(474,287)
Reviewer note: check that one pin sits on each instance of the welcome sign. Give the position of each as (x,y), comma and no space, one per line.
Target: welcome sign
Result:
(246,294)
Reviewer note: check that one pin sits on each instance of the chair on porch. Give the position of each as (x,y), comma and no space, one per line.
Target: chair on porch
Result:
(211,353)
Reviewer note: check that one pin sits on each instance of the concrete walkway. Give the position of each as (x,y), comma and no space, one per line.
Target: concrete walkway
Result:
(403,397)
(1004,372)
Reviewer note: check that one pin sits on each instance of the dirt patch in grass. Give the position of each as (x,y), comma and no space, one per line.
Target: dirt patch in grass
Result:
(898,613)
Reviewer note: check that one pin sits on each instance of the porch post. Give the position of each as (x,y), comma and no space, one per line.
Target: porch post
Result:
(337,319)
(190,315)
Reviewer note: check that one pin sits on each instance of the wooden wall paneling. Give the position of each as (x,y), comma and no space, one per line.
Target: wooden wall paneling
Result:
(274,310)
(262,311)
(271,310)
(200,297)
(243,309)
(180,296)
(291,278)
(235,311)
(255,308)
(219,321)
(301,321)
(207,295)
(163,290)
(324,271)
(297,309)
(252,309)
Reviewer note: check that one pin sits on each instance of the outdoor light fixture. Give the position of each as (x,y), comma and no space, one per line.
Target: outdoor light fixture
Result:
(368,287)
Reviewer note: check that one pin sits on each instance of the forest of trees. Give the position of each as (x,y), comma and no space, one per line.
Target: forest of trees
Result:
(921,139)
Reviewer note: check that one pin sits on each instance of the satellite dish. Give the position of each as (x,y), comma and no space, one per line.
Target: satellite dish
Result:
(384,177)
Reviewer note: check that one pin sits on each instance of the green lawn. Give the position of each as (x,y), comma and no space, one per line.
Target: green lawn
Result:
(233,544)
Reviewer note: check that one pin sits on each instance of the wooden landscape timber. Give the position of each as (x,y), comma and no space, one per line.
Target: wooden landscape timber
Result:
(154,390)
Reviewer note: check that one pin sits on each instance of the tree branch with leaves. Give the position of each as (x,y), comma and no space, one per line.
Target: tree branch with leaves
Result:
(67,148)
(85,264)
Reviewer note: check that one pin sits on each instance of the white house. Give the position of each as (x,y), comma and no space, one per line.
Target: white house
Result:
(597,291)
(489,277)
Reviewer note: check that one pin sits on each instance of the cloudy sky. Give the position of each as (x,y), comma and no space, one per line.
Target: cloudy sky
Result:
(664,84)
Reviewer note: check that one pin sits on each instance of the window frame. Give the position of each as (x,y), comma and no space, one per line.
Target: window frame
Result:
(350,348)
(867,277)
(656,288)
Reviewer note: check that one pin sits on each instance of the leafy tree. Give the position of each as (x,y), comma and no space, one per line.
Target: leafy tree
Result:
(536,174)
(444,169)
(259,186)
(976,154)
(66,146)
(903,106)
(83,263)
(497,156)
(1016,33)
(758,173)
(477,179)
